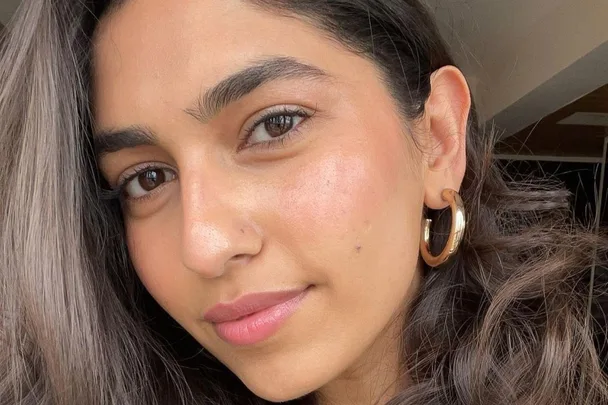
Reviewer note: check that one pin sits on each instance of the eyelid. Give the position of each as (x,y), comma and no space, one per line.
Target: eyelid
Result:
(281,109)
(134,171)
(277,110)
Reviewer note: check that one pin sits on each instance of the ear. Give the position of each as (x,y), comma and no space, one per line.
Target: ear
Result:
(446,117)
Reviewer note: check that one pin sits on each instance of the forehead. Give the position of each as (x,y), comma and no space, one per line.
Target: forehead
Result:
(155,52)
(143,30)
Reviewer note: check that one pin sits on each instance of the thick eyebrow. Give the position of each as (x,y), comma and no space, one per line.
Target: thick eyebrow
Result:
(114,140)
(212,101)
(245,81)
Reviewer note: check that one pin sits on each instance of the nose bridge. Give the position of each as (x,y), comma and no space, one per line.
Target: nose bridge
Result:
(216,231)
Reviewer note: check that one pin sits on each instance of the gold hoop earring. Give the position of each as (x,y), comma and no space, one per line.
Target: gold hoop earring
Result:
(456,231)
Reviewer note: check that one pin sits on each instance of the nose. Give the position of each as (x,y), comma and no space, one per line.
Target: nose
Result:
(217,234)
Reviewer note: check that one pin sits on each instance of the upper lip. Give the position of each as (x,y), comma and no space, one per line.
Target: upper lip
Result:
(247,305)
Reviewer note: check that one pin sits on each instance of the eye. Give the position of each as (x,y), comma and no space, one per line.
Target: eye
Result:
(145,181)
(274,125)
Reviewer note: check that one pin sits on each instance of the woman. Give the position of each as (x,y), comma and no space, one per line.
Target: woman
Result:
(226,202)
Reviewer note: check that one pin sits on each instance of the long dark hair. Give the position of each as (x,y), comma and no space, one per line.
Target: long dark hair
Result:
(516,318)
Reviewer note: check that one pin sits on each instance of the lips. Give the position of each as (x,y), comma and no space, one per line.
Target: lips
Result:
(247,305)
(255,317)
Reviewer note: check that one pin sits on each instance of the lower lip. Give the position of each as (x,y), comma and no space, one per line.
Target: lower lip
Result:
(257,327)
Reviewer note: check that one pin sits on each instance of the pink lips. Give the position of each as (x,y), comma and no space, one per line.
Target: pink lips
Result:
(253,318)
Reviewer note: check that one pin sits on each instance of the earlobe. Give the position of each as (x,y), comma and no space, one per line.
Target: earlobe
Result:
(447,110)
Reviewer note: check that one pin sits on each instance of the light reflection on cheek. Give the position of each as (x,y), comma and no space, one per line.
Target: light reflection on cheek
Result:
(329,190)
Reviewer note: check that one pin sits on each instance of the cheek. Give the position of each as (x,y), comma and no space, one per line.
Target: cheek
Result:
(355,210)
(333,187)
(151,245)
(351,217)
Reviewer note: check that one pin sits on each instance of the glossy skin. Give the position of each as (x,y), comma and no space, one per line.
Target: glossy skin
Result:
(336,205)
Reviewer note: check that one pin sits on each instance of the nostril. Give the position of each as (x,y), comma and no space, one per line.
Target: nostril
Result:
(240,257)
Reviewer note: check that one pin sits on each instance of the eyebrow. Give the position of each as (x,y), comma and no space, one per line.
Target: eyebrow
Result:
(247,80)
(111,141)
(212,101)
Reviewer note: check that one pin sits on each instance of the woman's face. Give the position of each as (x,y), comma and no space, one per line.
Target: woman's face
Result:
(258,156)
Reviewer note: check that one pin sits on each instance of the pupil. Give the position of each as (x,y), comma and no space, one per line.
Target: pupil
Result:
(151,179)
(277,126)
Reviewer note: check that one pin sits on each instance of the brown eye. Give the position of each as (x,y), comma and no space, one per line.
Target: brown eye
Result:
(276,125)
(150,179)
(279,125)
(147,181)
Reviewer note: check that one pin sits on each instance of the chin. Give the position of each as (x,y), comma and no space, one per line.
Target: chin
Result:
(283,384)
(273,394)
(276,390)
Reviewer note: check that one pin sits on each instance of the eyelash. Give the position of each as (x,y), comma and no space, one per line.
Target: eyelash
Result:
(118,191)
(279,141)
